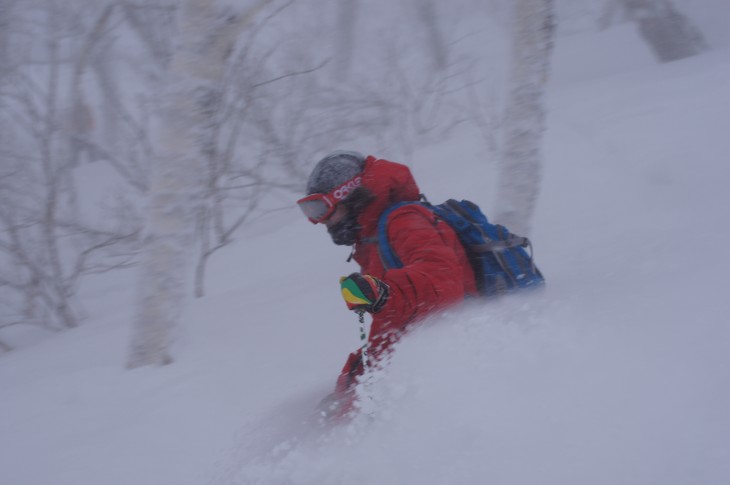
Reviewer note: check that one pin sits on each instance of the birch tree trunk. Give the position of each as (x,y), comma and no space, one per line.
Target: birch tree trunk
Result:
(426,12)
(345,37)
(520,166)
(5,58)
(80,120)
(190,89)
(4,36)
(5,12)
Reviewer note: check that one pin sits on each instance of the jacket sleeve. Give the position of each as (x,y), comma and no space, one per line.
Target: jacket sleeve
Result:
(350,372)
(431,276)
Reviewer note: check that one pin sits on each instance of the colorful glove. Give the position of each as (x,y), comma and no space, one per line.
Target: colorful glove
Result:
(364,292)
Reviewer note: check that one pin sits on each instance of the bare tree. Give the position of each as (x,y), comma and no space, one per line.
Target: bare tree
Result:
(80,119)
(154,24)
(224,124)
(346,24)
(429,18)
(6,7)
(46,244)
(186,116)
(669,33)
(533,30)
(234,183)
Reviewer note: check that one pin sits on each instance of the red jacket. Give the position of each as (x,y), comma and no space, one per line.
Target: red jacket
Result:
(435,274)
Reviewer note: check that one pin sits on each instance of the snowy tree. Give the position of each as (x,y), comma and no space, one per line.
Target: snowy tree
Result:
(429,18)
(345,37)
(189,91)
(669,33)
(48,243)
(519,177)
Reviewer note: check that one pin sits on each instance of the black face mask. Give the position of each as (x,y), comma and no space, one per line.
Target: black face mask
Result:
(345,232)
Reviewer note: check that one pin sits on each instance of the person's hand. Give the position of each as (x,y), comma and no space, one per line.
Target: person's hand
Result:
(364,292)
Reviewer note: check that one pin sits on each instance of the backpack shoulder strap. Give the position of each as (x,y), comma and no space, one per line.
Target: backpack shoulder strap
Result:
(387,255)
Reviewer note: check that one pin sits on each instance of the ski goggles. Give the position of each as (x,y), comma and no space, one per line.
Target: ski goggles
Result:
(320,207)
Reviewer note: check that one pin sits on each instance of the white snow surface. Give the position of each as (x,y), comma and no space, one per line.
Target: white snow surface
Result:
(618,374)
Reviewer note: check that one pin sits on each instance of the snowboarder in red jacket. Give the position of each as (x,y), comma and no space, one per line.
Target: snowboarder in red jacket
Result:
(348,192)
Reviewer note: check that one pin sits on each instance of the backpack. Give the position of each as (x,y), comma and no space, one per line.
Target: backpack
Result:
(500,259)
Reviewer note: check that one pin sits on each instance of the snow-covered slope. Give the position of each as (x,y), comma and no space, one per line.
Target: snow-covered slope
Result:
(619,373)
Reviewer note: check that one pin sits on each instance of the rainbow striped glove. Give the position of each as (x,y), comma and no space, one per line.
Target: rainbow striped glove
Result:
(364,292)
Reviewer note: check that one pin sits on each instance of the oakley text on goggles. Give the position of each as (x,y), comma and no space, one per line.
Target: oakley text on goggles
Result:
(319,207)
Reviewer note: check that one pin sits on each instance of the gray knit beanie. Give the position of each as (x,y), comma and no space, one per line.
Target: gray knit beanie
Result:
(333,170)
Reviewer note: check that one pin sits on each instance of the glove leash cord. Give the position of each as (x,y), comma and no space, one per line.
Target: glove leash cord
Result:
(363,339)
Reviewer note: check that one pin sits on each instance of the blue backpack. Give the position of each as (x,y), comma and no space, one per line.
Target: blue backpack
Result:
(500,259)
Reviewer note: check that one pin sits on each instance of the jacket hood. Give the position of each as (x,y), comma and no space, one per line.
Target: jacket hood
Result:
(389,182)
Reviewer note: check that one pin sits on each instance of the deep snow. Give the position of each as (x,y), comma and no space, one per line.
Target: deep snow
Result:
(618,374)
